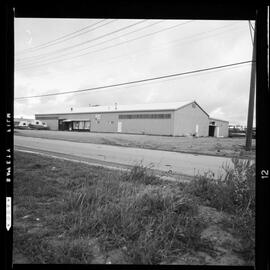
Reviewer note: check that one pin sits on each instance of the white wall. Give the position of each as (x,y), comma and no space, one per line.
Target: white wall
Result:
(186,119)
(223,128)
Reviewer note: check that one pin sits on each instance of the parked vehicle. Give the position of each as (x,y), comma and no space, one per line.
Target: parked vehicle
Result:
(235,132)
(21,125)
(37,124)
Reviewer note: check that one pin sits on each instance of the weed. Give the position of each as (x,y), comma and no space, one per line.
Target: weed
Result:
(151,222)
(234,194)
(141,174)
(135,210)
(241,181)
(67,251)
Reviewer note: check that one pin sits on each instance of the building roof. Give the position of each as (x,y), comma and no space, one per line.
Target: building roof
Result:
(211,118)
(168,106)
(75,120)
(23,119)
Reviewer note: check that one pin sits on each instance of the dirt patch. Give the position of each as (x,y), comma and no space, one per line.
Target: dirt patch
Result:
(99,257)
(220,238)
(19,258)
(210,215)
(224,244)
(203,258)
(117,256)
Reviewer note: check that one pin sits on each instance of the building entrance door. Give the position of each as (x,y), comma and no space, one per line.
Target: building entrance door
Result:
(61,124)
(197,130)
(119,127)
(212,131)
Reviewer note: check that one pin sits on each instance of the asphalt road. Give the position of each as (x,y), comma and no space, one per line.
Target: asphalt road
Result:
(178,163)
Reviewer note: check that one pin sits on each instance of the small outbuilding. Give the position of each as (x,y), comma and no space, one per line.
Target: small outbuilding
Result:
(218,128)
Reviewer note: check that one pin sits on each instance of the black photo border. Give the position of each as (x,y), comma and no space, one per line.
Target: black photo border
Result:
(215,10)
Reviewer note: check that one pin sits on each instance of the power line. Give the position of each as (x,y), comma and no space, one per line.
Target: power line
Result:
(65,37)
(251,26)
(181,41)
(114,38)
(137,81)
(41,63)
(189,75)
(149,34)
(190,38)
(82,43)
(250,31)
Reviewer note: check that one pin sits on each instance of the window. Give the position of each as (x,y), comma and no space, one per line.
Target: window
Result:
(87,125)
(81,125)
(145,116)
(75,125)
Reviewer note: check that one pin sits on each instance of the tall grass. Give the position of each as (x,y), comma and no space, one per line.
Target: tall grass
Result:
(149,220)
(151,223)
(235,194)
(141,174)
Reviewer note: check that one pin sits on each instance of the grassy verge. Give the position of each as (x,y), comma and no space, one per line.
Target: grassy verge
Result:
(67,212)
(60,207)
(227,147)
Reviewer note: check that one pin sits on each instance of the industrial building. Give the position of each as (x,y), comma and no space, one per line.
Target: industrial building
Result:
(171,119)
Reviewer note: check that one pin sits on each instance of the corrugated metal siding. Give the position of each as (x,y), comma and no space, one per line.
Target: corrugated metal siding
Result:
(182,122)
(186,119)
(106,122)
(148,126)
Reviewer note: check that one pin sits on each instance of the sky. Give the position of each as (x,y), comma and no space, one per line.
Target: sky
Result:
(58,55)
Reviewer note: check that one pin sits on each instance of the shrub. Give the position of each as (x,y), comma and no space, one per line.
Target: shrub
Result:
(141,174)
(235,192)
(211,192)
(241,181)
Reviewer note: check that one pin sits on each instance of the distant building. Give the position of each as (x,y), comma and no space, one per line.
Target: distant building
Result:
(22,122)
(28,123)
(238,127)
(172,119)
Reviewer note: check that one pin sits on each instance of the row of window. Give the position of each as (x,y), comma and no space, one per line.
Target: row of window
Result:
(145,116)
(81,125)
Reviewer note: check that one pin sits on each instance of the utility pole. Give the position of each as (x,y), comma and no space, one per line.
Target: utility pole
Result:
(251,94)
